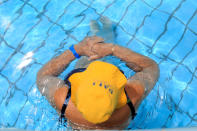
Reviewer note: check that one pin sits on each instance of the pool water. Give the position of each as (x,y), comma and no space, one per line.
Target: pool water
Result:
(32,32)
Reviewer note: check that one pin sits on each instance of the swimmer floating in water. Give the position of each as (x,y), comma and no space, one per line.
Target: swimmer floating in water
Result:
(101,96)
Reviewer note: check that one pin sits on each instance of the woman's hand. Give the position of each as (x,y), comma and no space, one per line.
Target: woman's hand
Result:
(85,46)
(101,50)
(94,48)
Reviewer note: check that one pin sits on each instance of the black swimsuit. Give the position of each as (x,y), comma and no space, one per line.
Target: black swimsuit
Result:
(129,103)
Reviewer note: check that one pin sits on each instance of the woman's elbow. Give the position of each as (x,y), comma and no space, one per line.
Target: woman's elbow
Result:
(39,79)
(156,69)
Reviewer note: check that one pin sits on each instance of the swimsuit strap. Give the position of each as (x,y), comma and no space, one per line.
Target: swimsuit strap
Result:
(131,106)
(64,106)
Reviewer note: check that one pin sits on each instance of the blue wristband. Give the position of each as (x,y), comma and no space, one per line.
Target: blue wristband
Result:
(72,49)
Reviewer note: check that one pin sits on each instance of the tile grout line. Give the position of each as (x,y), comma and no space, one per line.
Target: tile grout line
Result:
(143,21)
(166,25)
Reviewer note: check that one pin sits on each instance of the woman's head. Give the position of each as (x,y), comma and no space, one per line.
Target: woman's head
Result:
(98,91)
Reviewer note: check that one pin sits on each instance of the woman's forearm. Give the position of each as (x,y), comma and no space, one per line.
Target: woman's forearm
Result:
(57,65)
(133,60)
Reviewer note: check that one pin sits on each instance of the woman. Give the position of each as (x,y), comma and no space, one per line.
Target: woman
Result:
(101,96)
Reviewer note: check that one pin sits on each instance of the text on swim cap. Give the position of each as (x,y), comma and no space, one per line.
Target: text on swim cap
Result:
(107,87)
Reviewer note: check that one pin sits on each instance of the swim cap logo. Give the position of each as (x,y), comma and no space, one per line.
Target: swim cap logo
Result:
(107,87)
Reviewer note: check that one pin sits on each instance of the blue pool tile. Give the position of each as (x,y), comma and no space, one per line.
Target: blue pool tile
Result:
(160,92)
(145,111)
(138,47)
(10,112)
(29,78)
(72,16)
(155,58)
(55,8)
(153,94)
(35,38)
(153,3)
(35,97)
(83,29)
(23,120)
(28,116)
(122,38)
(65,46)
(113,10)
(178,83)
(87,1)
(51,44)
(70,41)
(196,74)
(90,14)
(191,61)
(182,74)
(155,25)
(178,120)
(184,47)
(186,11)
(193,124)
(195,116)
(10,7)
(170,103)
(193,24)
(41,58)
(5,52)
(175,91)
(161,112)
(169,5)
(21,26)
(38,4)
(56,35)
(41,111)
(135,16)
(100,5)
(71,66)
(47,119)
(3,83)
(8,13)
(170,38)
(193,2)
(166,68)
(12,70)
(188,103)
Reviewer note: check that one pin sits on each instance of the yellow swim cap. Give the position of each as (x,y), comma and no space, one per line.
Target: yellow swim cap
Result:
(98,91)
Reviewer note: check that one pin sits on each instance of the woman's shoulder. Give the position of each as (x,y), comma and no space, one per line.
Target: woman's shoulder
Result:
(120,119)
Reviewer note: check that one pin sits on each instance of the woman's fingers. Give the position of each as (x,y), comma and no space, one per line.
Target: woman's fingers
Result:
(90,53)
(93,57)
(93,46)
(96,39)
